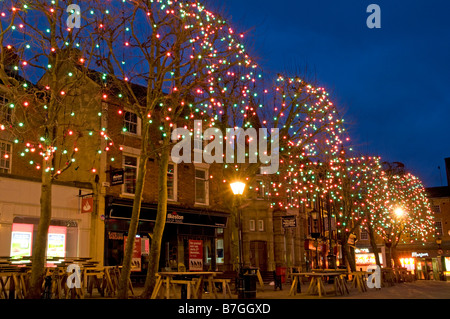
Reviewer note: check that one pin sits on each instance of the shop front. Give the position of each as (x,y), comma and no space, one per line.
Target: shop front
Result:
(69,229)
(316,254)
(61,241)
(364,257)
(192,239)
(425,264)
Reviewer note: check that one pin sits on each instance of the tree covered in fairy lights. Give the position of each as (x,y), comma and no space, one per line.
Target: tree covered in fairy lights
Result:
(311,132)
(402,211)
(184,56)
(353,183)
(173,62)
(42,75)
(310,128)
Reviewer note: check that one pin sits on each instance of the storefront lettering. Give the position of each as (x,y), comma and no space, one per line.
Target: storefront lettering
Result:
(174,218)
(420,255)
(115,236)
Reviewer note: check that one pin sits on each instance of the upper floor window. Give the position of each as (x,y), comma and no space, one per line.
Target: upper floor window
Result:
(260,189)
(131,123)
(172,182)
(364,235)
(260,225)
(436,209)
(5,110)
(130,165)
(201,186)
(438,227)
(252,225)
(5,157)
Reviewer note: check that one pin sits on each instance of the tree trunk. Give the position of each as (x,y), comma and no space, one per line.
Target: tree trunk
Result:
(373,244)
(134,222)
(40,242)
(388,260)
(395,256)
(350,256)
(160,224)
(347,256)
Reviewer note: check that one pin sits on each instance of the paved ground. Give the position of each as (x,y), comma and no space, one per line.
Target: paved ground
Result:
(416,290)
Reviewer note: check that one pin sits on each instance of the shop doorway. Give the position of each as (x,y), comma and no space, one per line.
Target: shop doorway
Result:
(427,269)
(258,254)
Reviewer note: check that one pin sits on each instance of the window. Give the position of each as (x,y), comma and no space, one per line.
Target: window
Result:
(131,123)
(5,110)
(201,186)
(260,225)
(130,164)
(260,189)
(172,182)
(438,227)
(5,157)
(436,209)
(252,225)
(364,235)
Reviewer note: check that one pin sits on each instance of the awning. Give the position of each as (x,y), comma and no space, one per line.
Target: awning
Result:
(121,209)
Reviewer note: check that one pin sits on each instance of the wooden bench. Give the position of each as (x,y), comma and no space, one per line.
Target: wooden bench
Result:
(191,286)
(230,277)
(224,286)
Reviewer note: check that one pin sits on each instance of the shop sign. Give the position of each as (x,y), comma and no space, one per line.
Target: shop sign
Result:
(117,177)
(419,255)
(21,240)
(56,242)
(137,253)
(87,205)
(289,222)
(195,255)
(115,235)
(174,218)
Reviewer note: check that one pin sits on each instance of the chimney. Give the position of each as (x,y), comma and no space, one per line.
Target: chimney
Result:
(447,168)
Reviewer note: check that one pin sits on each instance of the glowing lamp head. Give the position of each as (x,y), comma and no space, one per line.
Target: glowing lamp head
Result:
(237,188)
(399,212)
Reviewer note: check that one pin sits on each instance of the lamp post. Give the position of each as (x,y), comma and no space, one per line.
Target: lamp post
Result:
(238,189)
(315,232)
(399,214)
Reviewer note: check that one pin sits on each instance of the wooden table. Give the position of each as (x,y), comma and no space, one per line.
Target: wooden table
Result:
(359,280)
(193,281)
(13,282)
(15,275)
(317,286)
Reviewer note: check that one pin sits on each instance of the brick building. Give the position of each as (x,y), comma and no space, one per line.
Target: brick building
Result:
(92,200)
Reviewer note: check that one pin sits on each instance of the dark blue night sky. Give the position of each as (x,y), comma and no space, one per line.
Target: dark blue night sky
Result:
(392,84)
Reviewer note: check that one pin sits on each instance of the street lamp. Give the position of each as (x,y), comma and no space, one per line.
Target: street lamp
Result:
(238,189)
(315,219)
(315,232)
(399,212)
